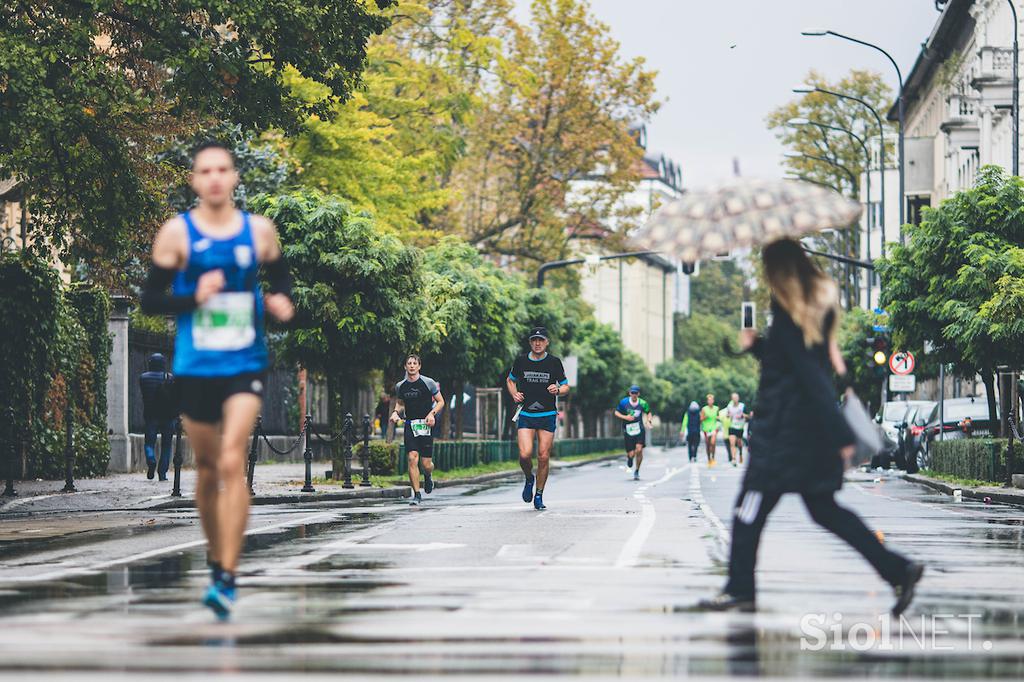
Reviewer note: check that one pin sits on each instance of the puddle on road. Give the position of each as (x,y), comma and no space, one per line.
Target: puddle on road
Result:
(169,571)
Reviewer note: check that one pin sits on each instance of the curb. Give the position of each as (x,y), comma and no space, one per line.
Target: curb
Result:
(283,498)
(974,493)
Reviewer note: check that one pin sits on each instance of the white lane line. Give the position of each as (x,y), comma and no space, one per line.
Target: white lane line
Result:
(697,495)
(142,556)
(327,551)
(648,516)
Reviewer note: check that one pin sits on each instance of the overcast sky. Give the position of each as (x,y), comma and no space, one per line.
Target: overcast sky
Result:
(716,96)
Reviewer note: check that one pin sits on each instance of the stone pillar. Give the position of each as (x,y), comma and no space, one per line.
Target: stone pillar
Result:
(117,387)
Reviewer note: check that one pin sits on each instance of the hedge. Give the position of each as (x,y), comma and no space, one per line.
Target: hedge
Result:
(980,459)
(457,454)
(55,367)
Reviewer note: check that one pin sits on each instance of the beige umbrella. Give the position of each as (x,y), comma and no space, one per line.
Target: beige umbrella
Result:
(702,224)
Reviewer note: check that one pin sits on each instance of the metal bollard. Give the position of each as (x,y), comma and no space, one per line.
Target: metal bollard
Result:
(307,455)
(9,487)
(254,454)
(69,447)
(366,452)
(347,431)
(176,490)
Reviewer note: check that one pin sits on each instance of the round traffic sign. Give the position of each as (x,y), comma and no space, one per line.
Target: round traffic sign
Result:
(902,363)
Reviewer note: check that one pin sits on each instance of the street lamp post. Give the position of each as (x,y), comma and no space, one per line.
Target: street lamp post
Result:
(545,267)
(805,89)
(1016,93)
(853,184)
(899,108)
(795,122)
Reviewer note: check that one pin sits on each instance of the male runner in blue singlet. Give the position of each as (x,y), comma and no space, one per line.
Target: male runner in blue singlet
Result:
(211,257)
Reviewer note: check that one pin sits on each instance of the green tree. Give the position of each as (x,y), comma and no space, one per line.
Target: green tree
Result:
(90,88)
(692,381)
(473,317)
(846,155)
(603,368)
(358,292)
(958,281)
(718,290)
(549,152)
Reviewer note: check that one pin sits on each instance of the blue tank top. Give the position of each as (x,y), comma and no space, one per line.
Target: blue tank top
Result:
(224,337)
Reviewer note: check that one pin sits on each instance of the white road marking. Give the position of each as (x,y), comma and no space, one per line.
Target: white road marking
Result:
(630,552)
(142,556)
(698,498)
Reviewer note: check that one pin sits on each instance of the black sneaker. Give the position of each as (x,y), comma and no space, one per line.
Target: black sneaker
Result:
(723,601)
(150,470)
(629,461)
(416,500)
(428,484)
(905,590)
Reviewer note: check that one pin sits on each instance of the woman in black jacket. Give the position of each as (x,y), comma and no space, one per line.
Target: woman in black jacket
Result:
(801,443)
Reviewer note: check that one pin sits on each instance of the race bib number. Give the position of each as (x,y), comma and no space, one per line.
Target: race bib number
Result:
(225,322)
(633,429)
(420,427)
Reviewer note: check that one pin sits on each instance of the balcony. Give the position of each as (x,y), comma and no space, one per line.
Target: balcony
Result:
(995,64)
(961,111)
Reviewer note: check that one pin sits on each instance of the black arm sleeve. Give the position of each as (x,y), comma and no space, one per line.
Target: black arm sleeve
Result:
(155,298)
(279,277)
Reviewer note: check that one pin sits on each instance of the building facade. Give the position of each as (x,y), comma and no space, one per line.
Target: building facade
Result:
(639,296)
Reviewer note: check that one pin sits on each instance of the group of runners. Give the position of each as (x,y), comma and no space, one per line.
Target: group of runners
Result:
(206,267)
(705,423)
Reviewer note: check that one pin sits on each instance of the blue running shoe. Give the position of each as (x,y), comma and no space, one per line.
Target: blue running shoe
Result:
(528,490)
(220,599)
(538,502)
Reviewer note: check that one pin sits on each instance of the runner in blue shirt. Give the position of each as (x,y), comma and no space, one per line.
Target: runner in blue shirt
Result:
(212,255)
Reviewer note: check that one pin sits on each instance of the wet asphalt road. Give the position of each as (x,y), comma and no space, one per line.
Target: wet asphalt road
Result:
(477,583)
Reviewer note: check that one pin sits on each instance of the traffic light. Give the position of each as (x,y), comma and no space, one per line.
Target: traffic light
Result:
(879,347)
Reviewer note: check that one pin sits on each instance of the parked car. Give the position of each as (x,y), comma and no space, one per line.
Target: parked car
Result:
(961,418)
(912,434)
(891,419)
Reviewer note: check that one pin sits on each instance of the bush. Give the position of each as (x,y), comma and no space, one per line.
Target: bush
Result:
(980,459)
(383,457)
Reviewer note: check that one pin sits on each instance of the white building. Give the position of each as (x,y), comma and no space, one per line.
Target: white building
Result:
(958,101)
(638,297)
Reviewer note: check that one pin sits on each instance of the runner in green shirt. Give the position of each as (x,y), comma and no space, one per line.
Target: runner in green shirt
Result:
(709,425)
(635,414)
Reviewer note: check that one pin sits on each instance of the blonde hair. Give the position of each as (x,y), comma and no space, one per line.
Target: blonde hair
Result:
(802,289)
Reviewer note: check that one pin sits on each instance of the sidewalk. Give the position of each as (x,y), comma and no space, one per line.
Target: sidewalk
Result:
(995,493)
(273,483)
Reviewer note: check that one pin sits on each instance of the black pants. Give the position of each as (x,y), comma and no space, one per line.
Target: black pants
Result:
(751,512)
(692,445)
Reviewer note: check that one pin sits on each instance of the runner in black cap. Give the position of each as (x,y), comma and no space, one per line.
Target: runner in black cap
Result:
(535,381)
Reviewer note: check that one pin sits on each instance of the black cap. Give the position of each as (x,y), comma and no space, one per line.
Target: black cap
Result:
(538,332)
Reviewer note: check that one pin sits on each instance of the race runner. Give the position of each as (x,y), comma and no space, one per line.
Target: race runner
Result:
(738,416)
(536,380)
(212,256)
(635,414)
(421,400)
(709,425)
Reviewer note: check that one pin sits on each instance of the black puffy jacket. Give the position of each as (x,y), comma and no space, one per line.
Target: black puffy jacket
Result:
(798,428)
(151,383)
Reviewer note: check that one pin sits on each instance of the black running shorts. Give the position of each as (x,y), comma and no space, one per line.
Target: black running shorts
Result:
(202,398)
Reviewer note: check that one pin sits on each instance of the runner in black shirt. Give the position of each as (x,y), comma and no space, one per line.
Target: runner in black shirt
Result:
(534,382)
(421,399)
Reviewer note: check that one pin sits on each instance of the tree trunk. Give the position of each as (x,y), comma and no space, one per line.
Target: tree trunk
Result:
(989,380)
